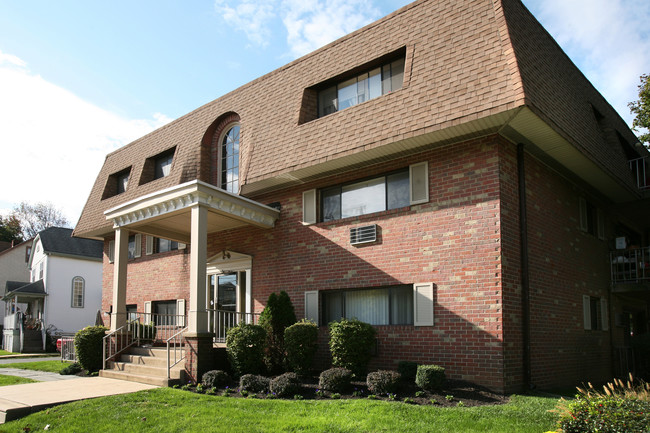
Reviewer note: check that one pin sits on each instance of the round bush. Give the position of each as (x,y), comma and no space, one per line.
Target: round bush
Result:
(383,381)
(408,370)
(605,413)
(285,385)
(301,343)
(88,347)
(351,342)
(430,377)
(245,348)
(215,379)
(254,383)
(73,368)
(335,380)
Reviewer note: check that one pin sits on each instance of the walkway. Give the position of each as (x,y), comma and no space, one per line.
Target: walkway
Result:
(17,401)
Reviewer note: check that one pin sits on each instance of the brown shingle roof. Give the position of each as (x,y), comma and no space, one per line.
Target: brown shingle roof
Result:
(464,61)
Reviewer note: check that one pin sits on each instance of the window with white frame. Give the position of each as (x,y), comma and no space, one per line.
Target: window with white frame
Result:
(229,171)
(78,289)
(592,219)
(595,313)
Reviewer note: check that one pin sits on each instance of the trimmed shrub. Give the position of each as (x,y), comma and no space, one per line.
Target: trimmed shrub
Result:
(430,377)
(351,342)
(622,407)
(245,348)
(275,318)
(88,347)
(301,343)
(383,381)
(73,368)
(254,383)
(408,370)
(215,379)
(285,385)
(335,380)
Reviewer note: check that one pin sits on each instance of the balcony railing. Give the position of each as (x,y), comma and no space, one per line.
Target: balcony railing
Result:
(630,266)
(641,171)
(220,321)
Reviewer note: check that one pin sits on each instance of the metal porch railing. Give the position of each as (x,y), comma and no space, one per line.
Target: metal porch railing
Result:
(630,266)
(641,171)
(175,346)
(220,321)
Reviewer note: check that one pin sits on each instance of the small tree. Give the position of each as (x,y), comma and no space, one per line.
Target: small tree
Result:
(88,347)
(301,343)
(351,343)
(275,318)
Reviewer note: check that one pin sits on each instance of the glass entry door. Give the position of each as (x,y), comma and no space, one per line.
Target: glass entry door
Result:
(223,292)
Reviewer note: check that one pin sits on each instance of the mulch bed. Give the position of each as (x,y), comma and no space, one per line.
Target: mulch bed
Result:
(455,393)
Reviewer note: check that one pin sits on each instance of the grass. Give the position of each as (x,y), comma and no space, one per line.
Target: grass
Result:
(171,410)
(4,352)
(51,366)
(13,380)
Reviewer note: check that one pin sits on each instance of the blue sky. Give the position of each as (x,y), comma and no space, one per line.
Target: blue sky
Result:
(79,79)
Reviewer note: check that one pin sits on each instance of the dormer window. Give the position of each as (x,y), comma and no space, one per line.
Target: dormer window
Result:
(229,171)
(157,166)
(116,183)
(369,84)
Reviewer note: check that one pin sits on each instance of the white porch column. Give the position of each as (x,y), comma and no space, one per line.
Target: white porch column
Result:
(198,320)
(118,317)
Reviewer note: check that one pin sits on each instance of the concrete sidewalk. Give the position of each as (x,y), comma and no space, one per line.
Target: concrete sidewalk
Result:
(40,376)
(17,401)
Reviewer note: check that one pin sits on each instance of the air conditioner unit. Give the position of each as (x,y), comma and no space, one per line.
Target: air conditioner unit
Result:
(363,234)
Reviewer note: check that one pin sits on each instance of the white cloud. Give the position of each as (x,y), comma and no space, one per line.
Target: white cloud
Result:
(607,39)
(251,17)
(53,142)
(313,23)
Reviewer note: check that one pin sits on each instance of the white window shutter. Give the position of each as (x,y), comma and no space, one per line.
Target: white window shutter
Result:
(149,245)
(604,309)
(111,251)
(147,312)
(180,311)
(423,304)
(584,226)
(311,305)
(419,182)
(601,225)
(309,207)
(138,245)
(586,311)
(181,246)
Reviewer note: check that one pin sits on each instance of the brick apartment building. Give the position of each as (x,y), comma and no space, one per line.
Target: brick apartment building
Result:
(445,173)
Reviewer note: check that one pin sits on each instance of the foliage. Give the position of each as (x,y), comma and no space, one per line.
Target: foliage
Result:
(73,368)
(172,410)
(88,347)
(641,109)
(10,229)
(301,344)
(14,380)
(620,407)
(215,379)
(254,383)
(245,348)
(335,379)
(285,385)
(145,331)
(351,342)
(408,370)
(383,381)
(275,318)
(49,366)
(34,218)
(430,377)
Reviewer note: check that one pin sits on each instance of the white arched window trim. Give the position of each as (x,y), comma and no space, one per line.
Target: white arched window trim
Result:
(78,292)
(231,184)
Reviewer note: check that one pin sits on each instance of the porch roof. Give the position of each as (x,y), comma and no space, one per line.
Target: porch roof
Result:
(166,213)
(26,290)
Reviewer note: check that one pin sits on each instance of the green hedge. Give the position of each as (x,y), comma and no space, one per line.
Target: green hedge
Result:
(301,343)
(351,343)
(88,347)
(245,348)
(430,377)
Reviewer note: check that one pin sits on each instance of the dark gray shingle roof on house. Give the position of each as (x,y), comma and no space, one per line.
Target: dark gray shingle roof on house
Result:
(17,288)
(58,240)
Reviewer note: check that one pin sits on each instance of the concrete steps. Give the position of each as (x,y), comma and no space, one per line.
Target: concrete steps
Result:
(145,365)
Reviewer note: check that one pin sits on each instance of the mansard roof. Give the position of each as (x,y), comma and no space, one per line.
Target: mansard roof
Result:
(471,68)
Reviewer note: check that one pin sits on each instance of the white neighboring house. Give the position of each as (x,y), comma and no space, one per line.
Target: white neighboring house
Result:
(14,266)
(63,294)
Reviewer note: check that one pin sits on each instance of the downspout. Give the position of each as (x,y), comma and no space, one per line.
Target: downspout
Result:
(525,281)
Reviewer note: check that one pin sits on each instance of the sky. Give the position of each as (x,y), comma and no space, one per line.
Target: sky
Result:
(79,79)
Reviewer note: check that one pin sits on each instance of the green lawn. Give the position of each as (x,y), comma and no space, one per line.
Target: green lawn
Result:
(4,352)
(51,366)
(13,380)
(172,410)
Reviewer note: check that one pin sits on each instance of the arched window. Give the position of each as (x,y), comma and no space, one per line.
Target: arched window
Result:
(78,289)
(229,169)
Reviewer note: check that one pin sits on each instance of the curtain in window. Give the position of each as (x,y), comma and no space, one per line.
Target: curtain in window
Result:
(401,306)
(370,306)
